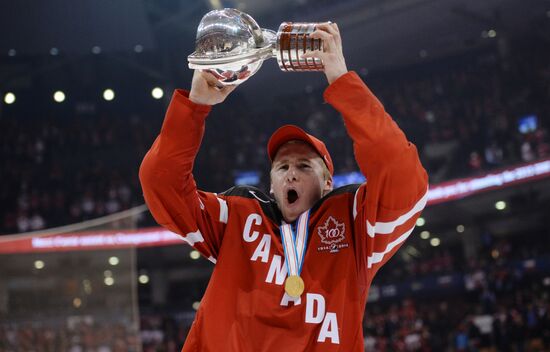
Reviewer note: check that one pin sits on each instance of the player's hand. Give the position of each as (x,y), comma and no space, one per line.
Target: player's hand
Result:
(206,90)
(331,54)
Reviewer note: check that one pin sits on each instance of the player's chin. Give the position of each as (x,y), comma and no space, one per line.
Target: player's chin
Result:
(292,211)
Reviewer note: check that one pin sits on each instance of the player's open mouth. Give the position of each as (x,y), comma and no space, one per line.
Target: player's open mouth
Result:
(291,196)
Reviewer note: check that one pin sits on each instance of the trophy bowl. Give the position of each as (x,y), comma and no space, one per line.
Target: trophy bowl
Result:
(231,46)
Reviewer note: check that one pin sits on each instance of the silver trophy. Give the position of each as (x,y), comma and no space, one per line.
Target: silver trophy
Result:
(232,46)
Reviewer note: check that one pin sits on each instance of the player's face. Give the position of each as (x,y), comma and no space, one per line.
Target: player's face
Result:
(298,179)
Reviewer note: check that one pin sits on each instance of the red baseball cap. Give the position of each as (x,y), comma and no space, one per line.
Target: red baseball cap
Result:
(291,132)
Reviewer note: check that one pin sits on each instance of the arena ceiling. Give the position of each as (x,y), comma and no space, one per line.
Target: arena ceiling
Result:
(377,33)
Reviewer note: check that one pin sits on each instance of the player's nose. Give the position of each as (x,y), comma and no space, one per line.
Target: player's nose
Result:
(292,174)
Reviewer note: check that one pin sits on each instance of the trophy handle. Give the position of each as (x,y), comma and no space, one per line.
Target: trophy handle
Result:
(254,28)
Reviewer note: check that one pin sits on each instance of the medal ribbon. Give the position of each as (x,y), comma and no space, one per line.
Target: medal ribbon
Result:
(294,245)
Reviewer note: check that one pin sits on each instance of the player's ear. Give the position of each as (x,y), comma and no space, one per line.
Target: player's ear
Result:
(328,186)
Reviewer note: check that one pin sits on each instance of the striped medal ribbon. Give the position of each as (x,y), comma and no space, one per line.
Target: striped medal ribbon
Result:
(294,245)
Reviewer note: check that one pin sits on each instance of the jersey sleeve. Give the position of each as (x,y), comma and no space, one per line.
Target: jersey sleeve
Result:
(386,206)
(168,185)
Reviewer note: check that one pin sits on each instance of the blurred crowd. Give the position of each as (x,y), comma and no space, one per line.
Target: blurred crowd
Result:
(59,170)
(503,304)
(463,114)
(518,321)
(497,254)
(83,337)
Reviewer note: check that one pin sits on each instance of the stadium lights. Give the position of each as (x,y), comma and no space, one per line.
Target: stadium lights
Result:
(9,98)
(420,222)
(113,261)
(435,242)
(108,94)
(54,51)
(196,305)
(109,281)
(138,48)
(500,205)
(460,228)
(38,264)
(59,96)
(195,254)
(425,235)
(12,52)
(491,33)
(143,279)
(157,93)
(77,302)
(96,50)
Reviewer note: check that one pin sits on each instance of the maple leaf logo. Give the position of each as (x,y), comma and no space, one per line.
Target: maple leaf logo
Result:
(332,231)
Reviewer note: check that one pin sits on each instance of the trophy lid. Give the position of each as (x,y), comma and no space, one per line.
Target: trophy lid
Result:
(228,36)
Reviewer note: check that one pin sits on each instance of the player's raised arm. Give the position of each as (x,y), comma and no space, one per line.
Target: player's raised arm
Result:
(387,206)
(166,171)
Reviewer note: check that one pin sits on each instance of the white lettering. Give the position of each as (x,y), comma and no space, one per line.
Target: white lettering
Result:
(278,269)
(252,218)
(286,299)
(311,317)
(262,251)
(329,329)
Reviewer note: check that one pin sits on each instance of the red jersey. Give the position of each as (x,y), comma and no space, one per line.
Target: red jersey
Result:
(353,231)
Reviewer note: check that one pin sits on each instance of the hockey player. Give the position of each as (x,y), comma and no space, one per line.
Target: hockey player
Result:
(292,270)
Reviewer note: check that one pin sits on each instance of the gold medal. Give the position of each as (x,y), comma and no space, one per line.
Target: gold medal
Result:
(294,286)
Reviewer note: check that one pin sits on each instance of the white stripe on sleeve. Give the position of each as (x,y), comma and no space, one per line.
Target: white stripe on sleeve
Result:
(193,237)
(376,257)
(385,228)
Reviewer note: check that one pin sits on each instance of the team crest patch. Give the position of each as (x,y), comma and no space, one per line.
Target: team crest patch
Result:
(333,234)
